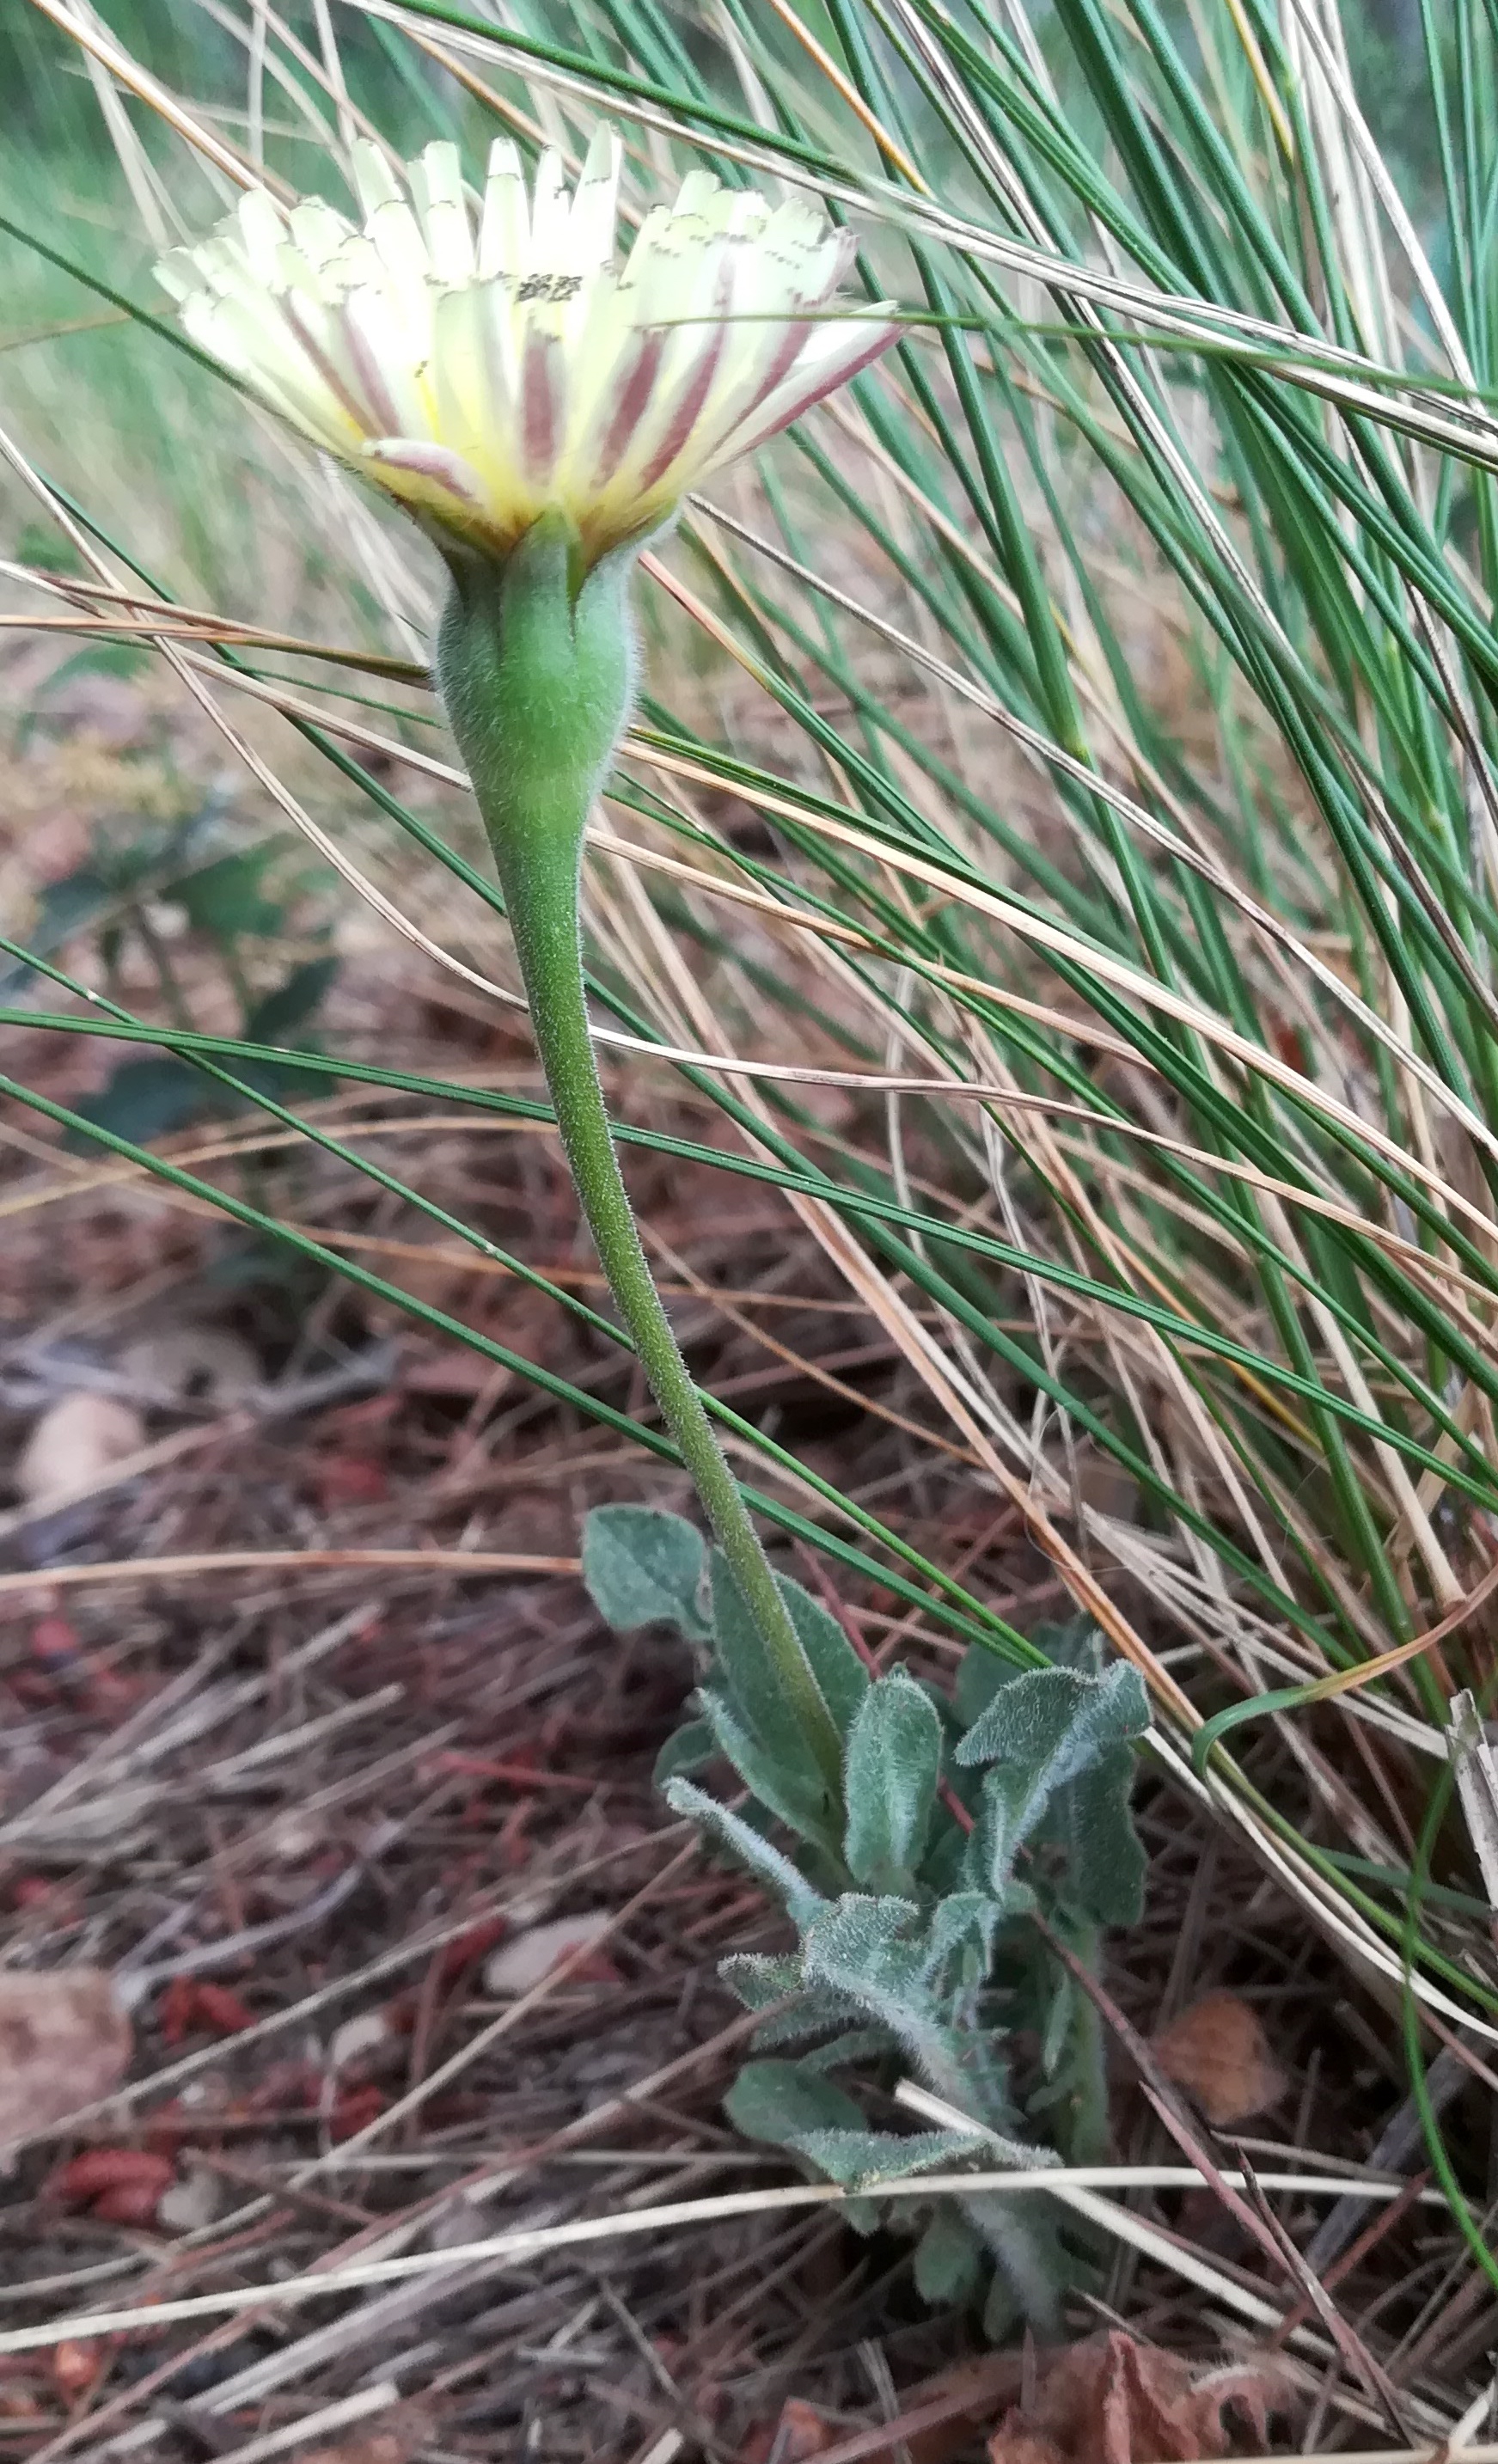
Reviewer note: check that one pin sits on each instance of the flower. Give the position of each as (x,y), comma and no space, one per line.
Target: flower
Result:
(486,375)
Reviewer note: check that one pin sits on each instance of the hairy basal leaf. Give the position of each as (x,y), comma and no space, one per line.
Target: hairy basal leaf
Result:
(749,1846)
(894,1763)
(1105,1867)
(644,1568)
(688,1749)
(784,2103)
(861,2158)
(791,1787)
(739,1654)
(1052,1723)
(949,2259)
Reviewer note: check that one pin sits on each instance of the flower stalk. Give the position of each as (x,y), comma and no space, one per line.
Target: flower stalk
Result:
(536,665)
(541,410)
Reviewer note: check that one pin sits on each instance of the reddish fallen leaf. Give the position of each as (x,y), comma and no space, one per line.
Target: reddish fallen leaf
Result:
(129,2203)
(220,2011)
(1113,2401)
(175,2015)
(189,2004)
(799,2433)
(349,1479)
(101,2169)
(54,1642)
(355,2110)
(76,2365)
(465,1948)
(65,2043)
(1218,2051)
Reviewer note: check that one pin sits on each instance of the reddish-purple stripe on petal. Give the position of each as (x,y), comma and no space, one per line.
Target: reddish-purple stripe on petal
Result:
(693,394)
(629,408)
(358,411)
(382,418)
(540,420)
(788,351)
(733,414)
(434,462)
(748,440)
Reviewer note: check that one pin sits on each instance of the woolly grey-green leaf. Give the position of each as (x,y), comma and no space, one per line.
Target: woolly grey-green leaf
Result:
(1058,2028)
(782,2103)
(860,2157)
(688,1749)
(871,1948)
(1012,1798)
(1003,2311)
(741,1663)
(753,1706)
(949,2259)
(749,1846)
(836,1665)
(760,1984)
(960,1939)
(893,1764)
(876,1952)
(906,1965)
(1105,1869)
(1052,1723)
(1039,1732)
(854,2045)
(759,1978)
(791,1790)
(643,1567)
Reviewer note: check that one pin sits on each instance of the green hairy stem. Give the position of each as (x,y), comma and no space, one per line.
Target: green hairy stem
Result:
(536,665)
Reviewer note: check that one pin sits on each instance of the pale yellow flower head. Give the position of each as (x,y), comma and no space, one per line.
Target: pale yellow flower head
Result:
(488,369)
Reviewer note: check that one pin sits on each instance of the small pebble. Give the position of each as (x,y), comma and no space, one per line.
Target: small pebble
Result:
(77,1441)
